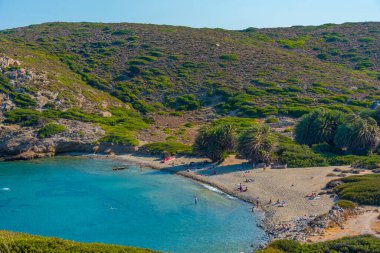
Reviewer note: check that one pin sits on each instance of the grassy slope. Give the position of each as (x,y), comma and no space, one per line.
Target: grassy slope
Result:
(69,86)
(368,244)
(19,242)
(348,44)
(209,63)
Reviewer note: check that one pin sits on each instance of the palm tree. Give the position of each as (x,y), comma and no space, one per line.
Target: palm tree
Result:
(257,144)
(318,126)
(215,142)
(357,136)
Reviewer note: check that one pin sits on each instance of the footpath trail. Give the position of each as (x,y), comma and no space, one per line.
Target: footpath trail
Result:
(366,223)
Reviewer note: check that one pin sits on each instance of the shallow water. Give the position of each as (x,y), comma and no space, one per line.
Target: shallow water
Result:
(84,200)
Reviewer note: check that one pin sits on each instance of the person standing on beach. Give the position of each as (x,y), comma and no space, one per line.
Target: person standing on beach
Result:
(257,202)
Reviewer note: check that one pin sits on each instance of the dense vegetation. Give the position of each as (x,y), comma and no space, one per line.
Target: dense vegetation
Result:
(257,144)
(19,243)
(348,134)
(216,142)
(50,130)
(171,147)
(364,244)
(361,189)
(322,137)
(134,72)
(253,73)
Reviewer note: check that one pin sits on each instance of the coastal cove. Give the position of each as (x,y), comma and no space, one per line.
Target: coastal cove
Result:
(85,200)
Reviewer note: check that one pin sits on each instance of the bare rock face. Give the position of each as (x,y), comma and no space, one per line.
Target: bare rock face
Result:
(6,62)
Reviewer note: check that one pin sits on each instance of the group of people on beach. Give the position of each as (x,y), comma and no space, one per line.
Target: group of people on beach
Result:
(241,188)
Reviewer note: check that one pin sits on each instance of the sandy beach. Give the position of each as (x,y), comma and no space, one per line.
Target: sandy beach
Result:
(289,185)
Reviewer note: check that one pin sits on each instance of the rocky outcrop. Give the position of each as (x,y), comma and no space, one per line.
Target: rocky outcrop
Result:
(6,62)
(22,143)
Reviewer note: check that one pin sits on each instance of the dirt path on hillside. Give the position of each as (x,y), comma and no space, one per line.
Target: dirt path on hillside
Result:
(366,223)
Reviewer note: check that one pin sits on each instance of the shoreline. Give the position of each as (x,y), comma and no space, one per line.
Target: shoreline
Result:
(287,222)
(274,217)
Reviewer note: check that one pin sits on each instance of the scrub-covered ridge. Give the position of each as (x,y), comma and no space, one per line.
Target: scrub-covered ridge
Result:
(110,87)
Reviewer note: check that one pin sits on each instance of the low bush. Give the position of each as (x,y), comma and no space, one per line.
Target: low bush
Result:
(240,124)
(23,100)
(338,160)
(294,111)
(229,57)
(19,242)
(24,117)
(272,120)
(298,156)
(120,139)
(185,103)
(50,130)
(363,243)
(346,204)
(367,162)
(158,148)
(363,189)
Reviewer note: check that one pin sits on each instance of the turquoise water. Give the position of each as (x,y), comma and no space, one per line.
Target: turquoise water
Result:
(84,200)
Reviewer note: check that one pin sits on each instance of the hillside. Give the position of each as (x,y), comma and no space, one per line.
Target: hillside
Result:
(19,242)
(125,82)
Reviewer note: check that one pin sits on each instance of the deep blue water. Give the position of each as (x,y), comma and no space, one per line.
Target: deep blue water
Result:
(84,200)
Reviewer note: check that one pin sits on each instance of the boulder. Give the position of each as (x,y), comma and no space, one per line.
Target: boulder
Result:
(333,184)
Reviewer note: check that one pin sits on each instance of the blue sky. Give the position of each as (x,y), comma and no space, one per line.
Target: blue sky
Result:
(229,14)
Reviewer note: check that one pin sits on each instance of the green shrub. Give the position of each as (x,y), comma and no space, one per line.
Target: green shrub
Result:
(364,64)
(158,148)
(23,100)
(50,130)
(24,117)
(368,162)
(189,124)
(229,57)
(366,40)
(286,245)
(254,91)
(272,120)
(19,242)
(176,114)
(186,103)
(363,103)
(122,32)
(322,56)
(346,204)
(120,139)
(364,189)
(298,156)
(291,43)
(295,111)
(240,124)
(363,243)
(338,160)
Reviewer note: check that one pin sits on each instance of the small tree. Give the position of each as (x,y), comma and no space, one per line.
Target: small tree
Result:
(318,126)
(215,142)
(257,144)
(357,136)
